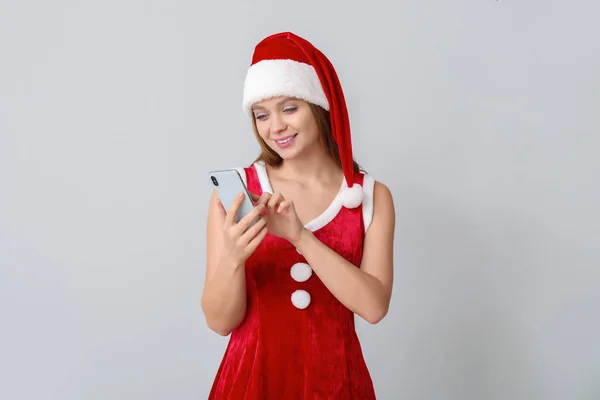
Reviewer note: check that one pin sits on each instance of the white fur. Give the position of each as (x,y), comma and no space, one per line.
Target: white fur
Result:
(352,197)
(272,78)
(367,204)
(300,299)
(263,178)
(301,272)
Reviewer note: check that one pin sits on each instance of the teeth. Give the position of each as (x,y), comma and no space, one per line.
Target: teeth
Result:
(285,141)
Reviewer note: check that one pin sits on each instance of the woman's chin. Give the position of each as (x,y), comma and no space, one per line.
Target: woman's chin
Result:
(287,153)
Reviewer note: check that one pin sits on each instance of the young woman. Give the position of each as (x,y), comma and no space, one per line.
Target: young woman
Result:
(287,288)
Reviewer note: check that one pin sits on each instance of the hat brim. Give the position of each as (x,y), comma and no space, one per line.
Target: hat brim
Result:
(273,78)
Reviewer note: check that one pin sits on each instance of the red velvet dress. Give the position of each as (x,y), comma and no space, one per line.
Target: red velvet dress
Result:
(297,340)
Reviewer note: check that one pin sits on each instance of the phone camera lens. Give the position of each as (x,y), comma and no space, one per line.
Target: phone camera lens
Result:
(214,180)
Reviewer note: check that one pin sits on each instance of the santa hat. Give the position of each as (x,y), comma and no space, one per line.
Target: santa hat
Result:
(285,64)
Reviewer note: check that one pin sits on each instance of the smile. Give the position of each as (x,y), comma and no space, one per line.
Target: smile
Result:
(286,140)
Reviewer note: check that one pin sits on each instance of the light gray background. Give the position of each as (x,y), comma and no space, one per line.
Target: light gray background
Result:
(481,116)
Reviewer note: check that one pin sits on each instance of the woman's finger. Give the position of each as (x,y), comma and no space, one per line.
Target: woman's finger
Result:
(264,198)
(275,200)
(256,240)
(251,216)
(233,209)
(253,230)
(254,197)
(218,204)
(284,205)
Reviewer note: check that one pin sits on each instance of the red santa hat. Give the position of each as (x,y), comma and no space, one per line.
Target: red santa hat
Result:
(285,64)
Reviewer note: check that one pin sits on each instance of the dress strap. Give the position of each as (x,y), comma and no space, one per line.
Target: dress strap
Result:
(263,178)
(368,186)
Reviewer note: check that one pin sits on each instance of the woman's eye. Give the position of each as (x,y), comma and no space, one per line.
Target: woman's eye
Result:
(290,109)
(260,116)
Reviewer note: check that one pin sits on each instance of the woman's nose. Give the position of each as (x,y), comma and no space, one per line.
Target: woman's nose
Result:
(277,124)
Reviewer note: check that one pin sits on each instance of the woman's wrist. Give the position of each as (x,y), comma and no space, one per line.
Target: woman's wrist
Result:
(230,264)
(302,238)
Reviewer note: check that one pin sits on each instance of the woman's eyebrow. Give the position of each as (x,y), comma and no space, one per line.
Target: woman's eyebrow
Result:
(279,103)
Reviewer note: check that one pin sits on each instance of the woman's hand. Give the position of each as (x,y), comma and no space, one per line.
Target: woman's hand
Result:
(282,220)
(240,239)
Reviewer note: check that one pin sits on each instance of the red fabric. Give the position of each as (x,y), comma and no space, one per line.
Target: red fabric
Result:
(286,45)
(284,353)
(278,47)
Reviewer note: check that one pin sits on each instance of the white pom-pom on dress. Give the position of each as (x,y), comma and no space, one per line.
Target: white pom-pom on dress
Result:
(301,272)
(300,299)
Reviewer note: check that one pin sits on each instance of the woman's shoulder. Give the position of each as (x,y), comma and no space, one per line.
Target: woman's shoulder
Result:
(377,199)
(382,191)
(370,184)
(383,205)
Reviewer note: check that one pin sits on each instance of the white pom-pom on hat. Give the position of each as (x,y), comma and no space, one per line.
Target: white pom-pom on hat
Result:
(352,197)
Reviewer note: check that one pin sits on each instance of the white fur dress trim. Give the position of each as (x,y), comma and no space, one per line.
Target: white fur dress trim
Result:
(367,204)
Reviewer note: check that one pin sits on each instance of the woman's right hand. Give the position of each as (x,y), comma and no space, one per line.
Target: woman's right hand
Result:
(240,239)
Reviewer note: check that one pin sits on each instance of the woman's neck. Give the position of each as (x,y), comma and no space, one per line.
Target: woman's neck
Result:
(315,165)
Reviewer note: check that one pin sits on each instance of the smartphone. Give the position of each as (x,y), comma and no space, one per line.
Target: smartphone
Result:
(228,184)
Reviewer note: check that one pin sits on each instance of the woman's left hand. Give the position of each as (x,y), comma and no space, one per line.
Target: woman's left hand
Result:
(282,220)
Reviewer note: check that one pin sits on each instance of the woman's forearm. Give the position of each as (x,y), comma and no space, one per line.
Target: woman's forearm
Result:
(359,291)
(224,298)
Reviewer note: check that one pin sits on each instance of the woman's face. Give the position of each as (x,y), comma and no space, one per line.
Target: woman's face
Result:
(287,125)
